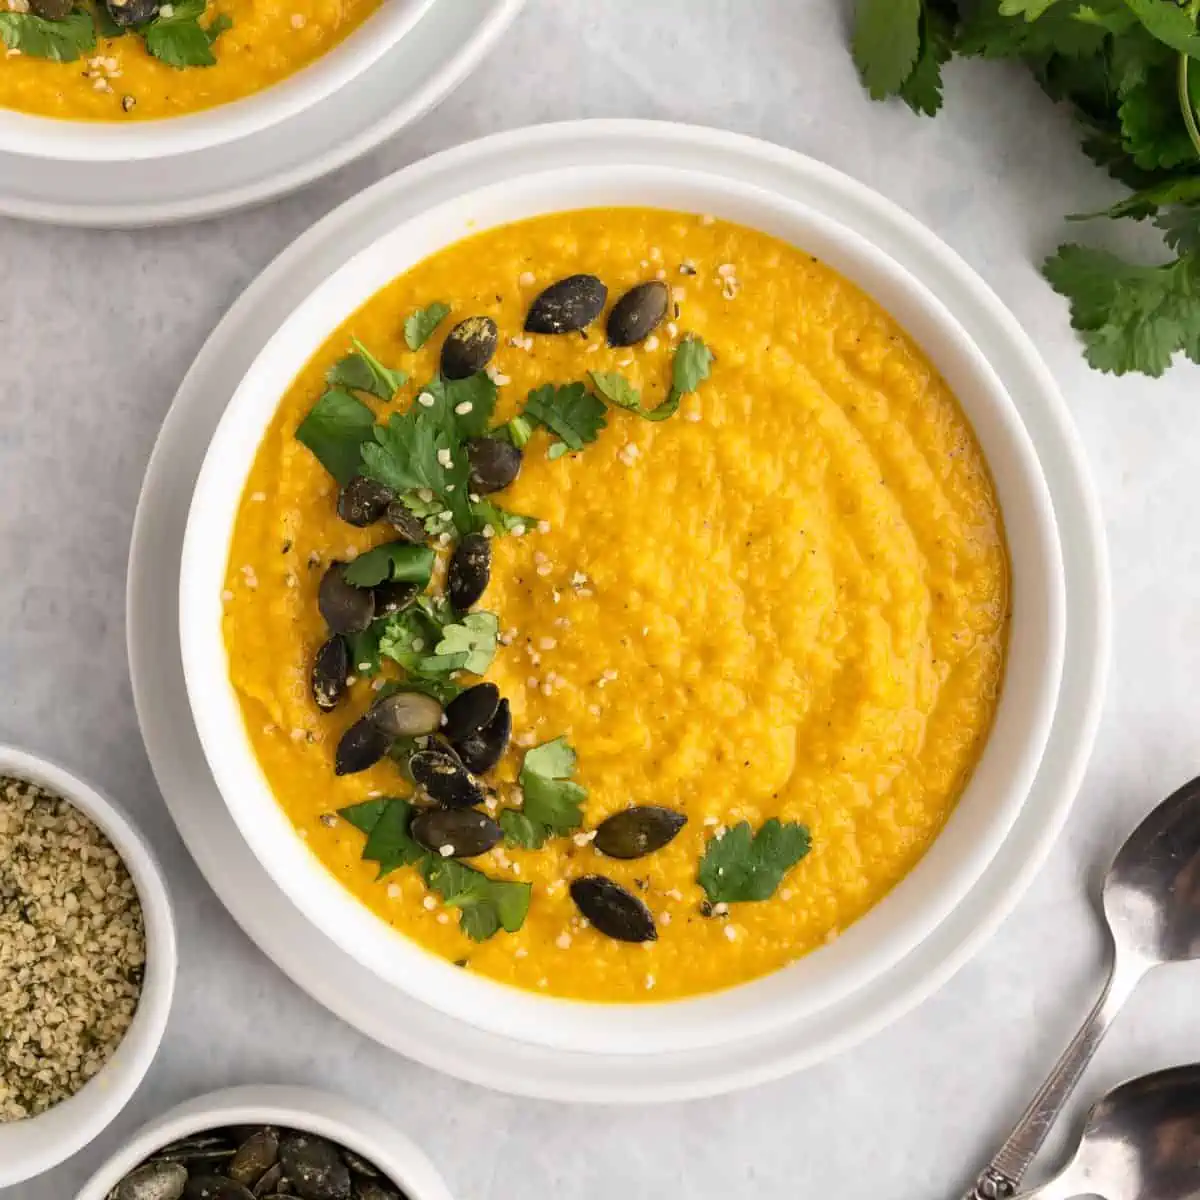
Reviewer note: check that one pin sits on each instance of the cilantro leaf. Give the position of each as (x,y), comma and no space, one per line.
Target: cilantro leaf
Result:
(570,411)
(552,803)
(60,41)
(1168,23)
(616,389)
(1181,228)
(692,366)
(364,650)
(1029,9)
(922,90)
(179,40)
(518,431)
(476,395)
(741,865)
(385,822)
(468,645)
(335,431)
(407,637)
(486,905)
(887,40)
(500,519)
(363,372)
(392,562)
(419,326)
(1132,318)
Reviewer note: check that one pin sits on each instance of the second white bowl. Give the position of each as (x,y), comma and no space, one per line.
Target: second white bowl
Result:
(913,909)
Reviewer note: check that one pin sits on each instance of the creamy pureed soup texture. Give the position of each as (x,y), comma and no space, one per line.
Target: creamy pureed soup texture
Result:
(164,67)
(787,601)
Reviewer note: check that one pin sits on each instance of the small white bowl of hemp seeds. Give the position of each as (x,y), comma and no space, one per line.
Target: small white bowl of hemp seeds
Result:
(87,963)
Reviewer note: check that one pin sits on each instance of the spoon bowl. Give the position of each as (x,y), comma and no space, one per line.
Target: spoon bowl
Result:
(1152,892)
(1140,1142)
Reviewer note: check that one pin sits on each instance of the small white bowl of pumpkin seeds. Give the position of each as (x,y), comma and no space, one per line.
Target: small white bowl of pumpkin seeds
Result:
(87,963)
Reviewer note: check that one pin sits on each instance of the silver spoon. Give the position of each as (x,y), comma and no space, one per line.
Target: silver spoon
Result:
(1152,906)
(1141,1142)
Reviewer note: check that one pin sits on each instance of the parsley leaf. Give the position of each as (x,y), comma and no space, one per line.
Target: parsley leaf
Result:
(741,865)
(570,411)
(363,372)
(335,431)
(1132,318)
(486,905)
(552,804)
(410,453)
(922,90)
(59,41)
(887,41)
(419,326)
(392,562)
(180,40)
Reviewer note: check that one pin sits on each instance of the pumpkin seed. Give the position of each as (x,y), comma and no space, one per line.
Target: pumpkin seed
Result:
(469,572)
(494,464)
(346,609)
(394,596)
(153,1181)
(406,714)
(638,831)
(638,313)
(361,747)
(481,751)
(214,1187)
(570,304)
(132,12)
(363,501)
(455,832)
(468,347)
(405,522)
(330,669)
(471,710)
(314,1167)
(615,912)
(445,779)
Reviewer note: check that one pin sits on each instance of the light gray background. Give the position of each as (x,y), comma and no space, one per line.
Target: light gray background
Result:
(96,330)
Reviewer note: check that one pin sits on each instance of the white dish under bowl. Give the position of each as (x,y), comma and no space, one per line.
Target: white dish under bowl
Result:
(34,1145)
(912,910)
(132,141)
(321,1113)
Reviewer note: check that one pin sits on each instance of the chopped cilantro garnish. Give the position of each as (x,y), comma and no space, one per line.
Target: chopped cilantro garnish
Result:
(429,640)
(467,645)
(178,38)
(616,389)
(419,326)
(552,803)
(691,367)
(570,411)
(363,372)
(393,562)
(485,905)
(463,405)
(60,41)
(335,431)
(364,650)
(741,865)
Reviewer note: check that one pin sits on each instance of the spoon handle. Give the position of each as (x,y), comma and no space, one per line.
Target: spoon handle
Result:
(1001,1178)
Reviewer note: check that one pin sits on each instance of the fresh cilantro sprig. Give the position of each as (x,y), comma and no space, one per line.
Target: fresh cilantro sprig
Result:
(552,804)
(430,640)
(62,41)
(362,371)
(485,905)
(569,411)
(177,38)
(691,366)
(335,430)
(1130,69)
(741,865)
(420,325)
(394,562)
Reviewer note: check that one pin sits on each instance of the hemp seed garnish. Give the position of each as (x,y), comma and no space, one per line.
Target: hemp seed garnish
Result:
(72,949)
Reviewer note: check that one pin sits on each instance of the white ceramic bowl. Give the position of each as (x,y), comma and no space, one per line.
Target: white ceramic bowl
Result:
(29,1147)
(319,1113)
(912,910)
(116,141)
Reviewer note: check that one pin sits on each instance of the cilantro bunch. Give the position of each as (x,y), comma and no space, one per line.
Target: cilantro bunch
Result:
(1130,70)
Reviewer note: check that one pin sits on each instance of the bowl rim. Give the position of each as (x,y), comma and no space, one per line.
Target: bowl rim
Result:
(204,658)
(305,1109)
(61,139)
(35,1144)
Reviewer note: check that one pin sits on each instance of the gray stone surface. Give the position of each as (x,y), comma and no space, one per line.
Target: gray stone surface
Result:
(96,329)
